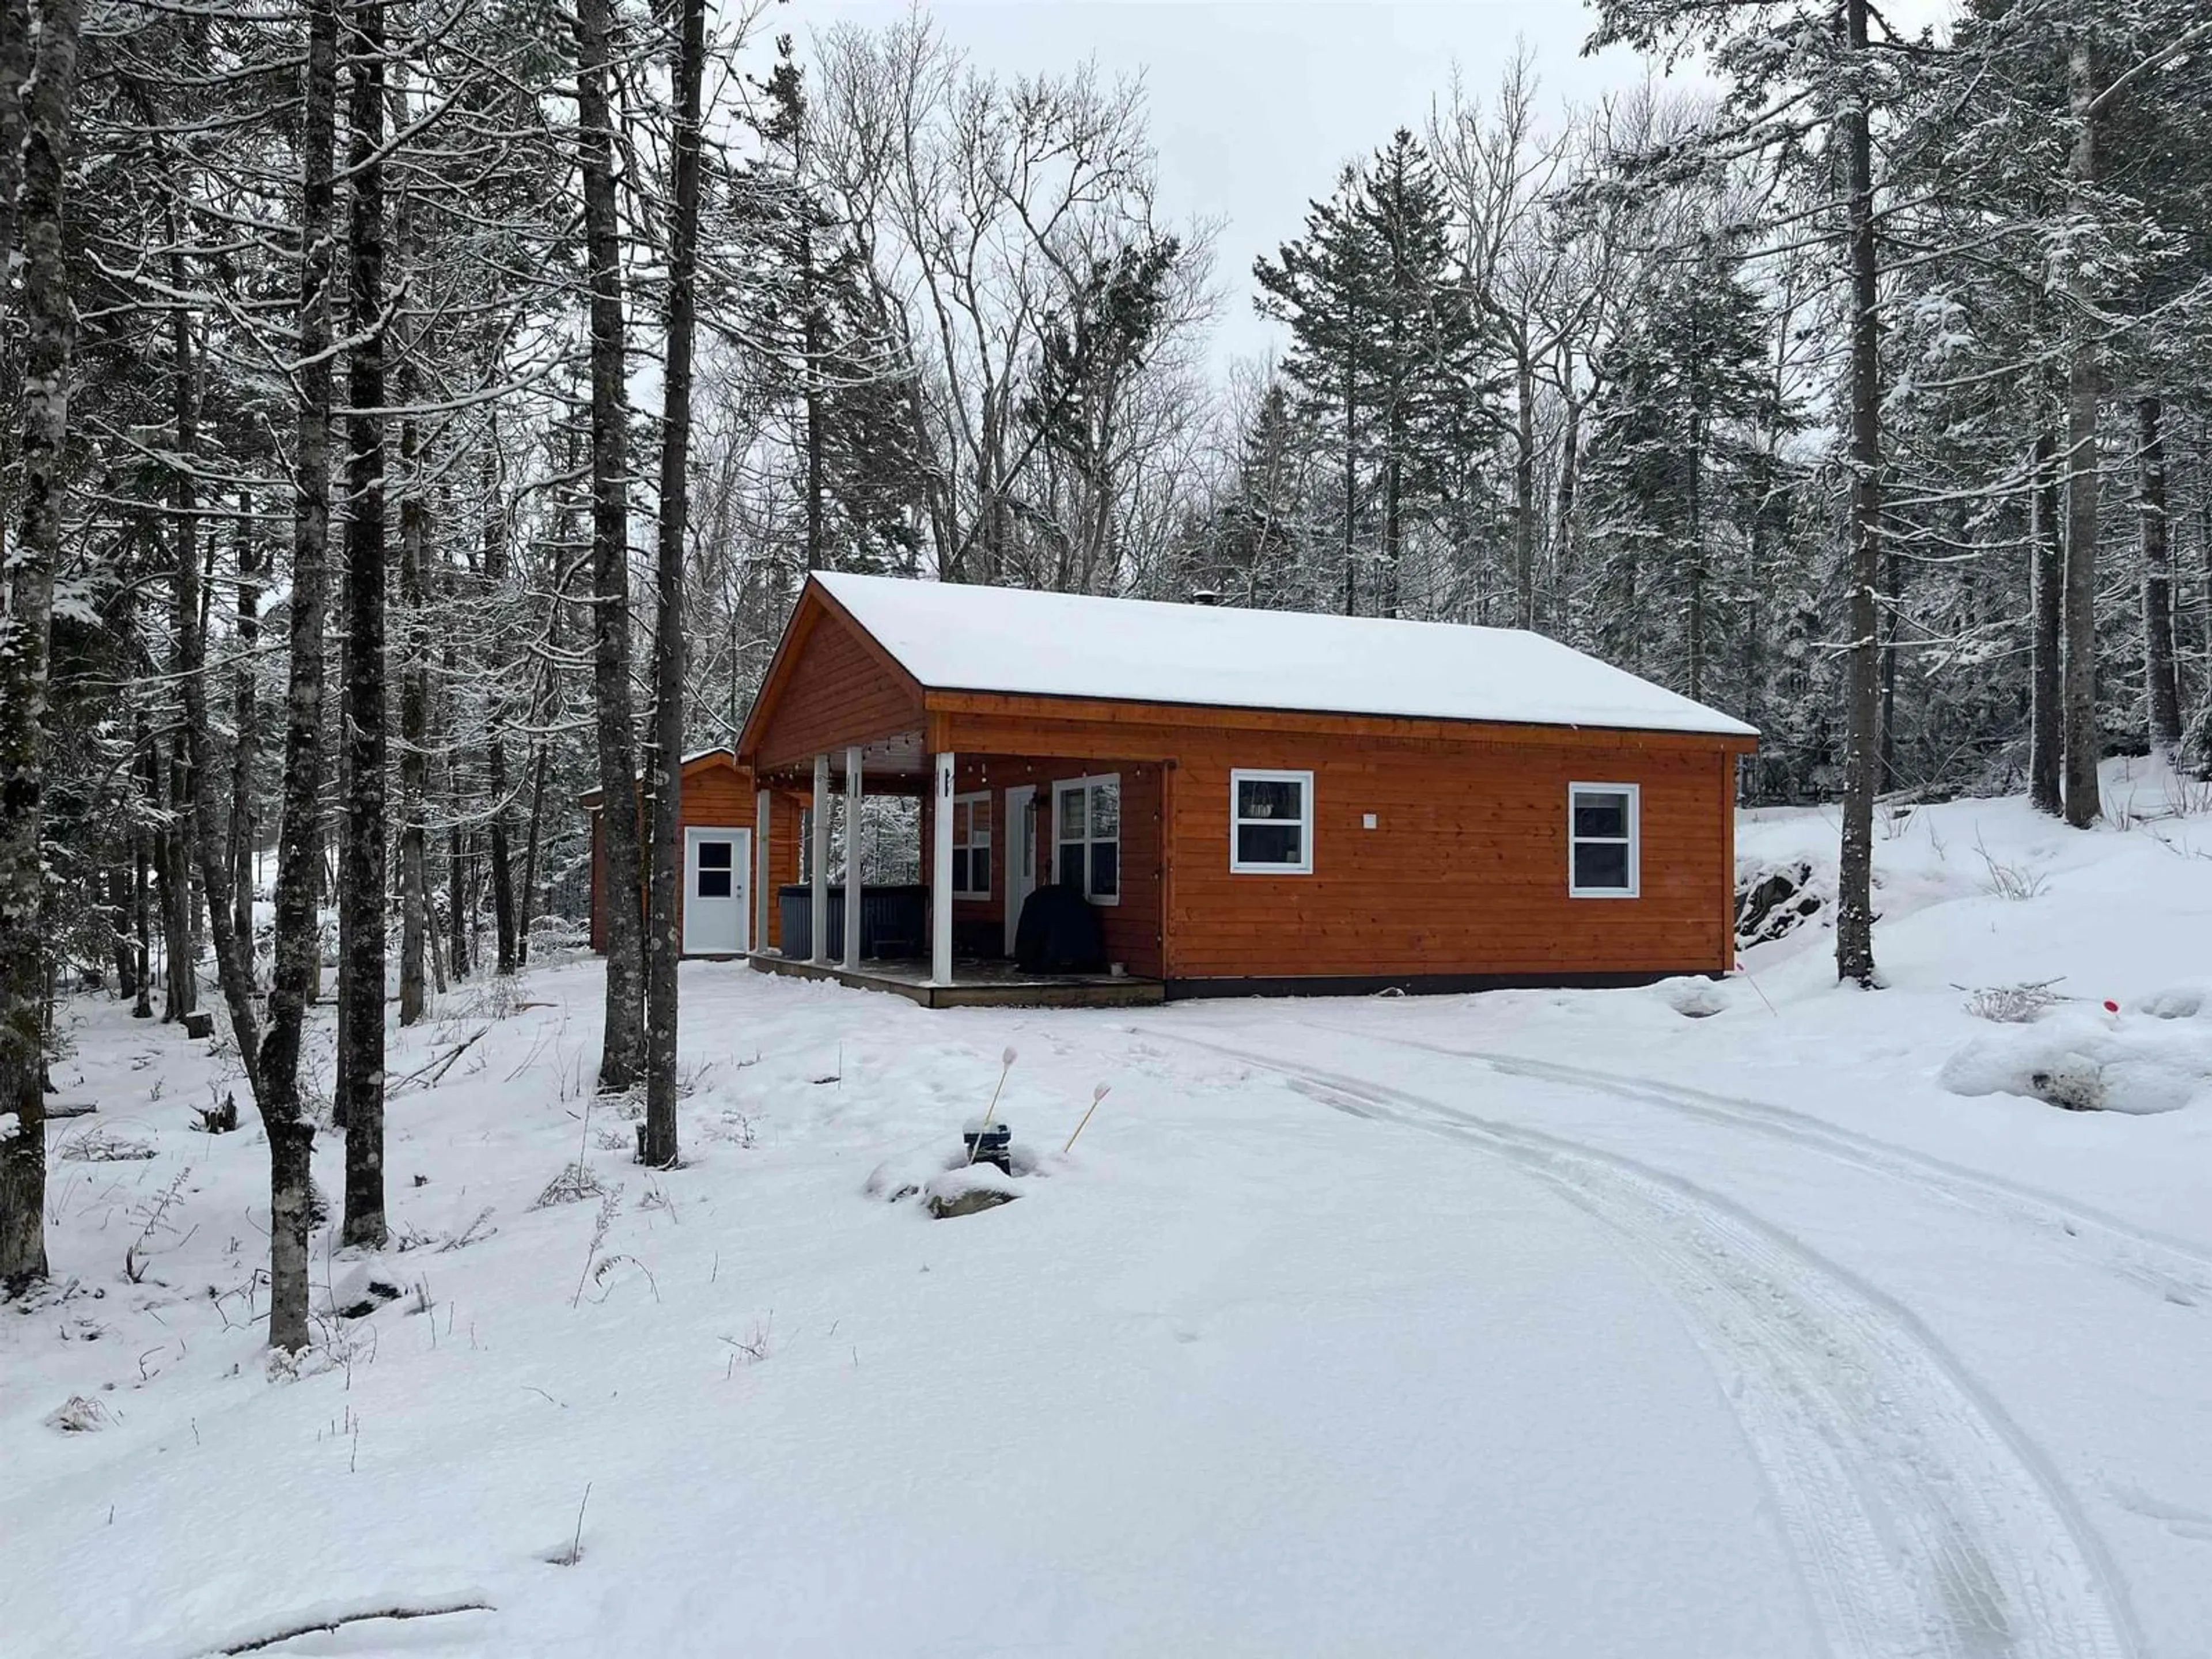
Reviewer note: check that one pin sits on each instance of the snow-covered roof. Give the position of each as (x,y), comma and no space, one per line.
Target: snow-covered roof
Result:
(692,759)
(954,637)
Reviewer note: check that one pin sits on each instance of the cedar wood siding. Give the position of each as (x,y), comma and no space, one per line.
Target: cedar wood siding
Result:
(1131,927)
(833,690)
(1466,872)
(717,794)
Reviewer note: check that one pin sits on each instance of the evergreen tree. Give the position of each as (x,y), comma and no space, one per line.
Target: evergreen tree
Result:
(1673,469)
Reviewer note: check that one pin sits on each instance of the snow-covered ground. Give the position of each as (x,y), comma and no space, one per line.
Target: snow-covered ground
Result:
(1739,1321)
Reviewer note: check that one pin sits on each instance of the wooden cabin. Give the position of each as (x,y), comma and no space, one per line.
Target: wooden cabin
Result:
(720,813)
(1253,801)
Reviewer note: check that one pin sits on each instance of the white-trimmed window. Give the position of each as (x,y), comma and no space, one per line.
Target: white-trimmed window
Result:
(971,847)
(1086,828)
(1604,836)
(1271,818)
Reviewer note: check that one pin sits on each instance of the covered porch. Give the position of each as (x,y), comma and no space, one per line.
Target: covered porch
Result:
(990,830)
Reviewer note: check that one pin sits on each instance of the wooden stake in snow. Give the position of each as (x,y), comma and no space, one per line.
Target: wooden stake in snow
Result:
(991,1112)
(1097,1095)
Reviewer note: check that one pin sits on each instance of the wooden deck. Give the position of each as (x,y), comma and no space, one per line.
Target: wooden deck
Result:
(977,982)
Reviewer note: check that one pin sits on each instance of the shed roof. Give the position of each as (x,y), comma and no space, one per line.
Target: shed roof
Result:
(954,637)
(698,758)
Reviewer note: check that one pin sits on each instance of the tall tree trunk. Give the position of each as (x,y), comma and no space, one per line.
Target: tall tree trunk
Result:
(245,718)
(459,910)
(180,970)
(2164,686)
(1351,461)
(1893,613)
(360,1099)
(414,730)
(414,653)
(1862,755)
(495,573)
(119,913)
(49,326)
(142,868)
(2046,716)
(2084,385)
(195,830)
(622,1034)
(665,757)
(1524,492)
(1694,496)
(810,315)
(299,857)
(539,771)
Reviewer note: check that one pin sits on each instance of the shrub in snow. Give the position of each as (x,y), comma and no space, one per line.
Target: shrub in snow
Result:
(2008,880)
(2012,1004)
(575,1183)
(104,1146)
(78,1415)
(2085,1061)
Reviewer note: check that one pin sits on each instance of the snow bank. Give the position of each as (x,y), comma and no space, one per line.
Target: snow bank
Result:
(2087,1059)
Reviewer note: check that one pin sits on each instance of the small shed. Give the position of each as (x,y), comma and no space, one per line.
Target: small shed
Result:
(1250,801)
(721,812)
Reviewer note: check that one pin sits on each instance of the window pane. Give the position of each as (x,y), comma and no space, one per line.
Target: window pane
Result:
(714,855)
(979,869)
(1258,798)
(1602,813)
(1105,810)
(1601,865)
(713,884)
(1268,843)
(1071,864)
(959,869)
(1071,814)
(1105,869)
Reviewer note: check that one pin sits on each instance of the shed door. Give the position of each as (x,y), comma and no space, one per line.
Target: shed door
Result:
(717,871)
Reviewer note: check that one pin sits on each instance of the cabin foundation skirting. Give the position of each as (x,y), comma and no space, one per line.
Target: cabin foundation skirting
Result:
(975,984)
(1352,985)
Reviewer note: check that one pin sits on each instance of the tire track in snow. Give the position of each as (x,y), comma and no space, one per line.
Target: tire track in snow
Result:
(2175,1271)
(1925,1525)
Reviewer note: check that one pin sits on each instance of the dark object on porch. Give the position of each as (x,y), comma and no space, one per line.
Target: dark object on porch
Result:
(1059,933)
(894,920)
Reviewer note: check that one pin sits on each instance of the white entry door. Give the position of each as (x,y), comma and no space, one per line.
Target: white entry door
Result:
(717,887)
(1019,855)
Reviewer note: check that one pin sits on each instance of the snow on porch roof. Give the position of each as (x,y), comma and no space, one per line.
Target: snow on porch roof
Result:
(954,637)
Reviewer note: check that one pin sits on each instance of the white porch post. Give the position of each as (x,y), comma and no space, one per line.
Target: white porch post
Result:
(852,858)
(764,816)
(818,931)
(940,877)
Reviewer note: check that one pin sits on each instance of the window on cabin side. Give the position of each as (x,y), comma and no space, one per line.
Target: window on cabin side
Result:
(1271,822)
(971,847)
(1087,837)
(1602,832)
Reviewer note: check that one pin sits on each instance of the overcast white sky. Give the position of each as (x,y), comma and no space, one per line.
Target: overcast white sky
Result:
(1255,104)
